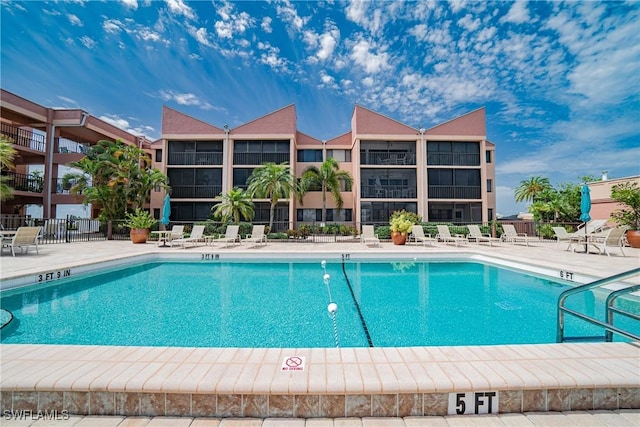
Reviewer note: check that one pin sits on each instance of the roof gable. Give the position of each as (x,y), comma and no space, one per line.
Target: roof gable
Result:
(282,121)
(175,122)
(473,123)
(365,121)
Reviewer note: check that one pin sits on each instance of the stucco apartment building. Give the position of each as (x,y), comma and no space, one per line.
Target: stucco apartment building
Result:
(445,173)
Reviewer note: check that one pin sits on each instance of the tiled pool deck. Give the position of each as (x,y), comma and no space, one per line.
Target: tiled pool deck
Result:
(346,386)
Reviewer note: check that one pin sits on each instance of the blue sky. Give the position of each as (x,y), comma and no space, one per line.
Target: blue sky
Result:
(560,80)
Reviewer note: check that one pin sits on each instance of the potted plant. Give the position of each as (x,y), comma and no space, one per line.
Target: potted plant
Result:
(401,223)
(628,195)
(139,224)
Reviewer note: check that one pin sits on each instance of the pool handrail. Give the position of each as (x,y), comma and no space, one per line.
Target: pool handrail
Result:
(608,325)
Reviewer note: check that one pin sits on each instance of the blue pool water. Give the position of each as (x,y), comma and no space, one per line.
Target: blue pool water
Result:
(284,304)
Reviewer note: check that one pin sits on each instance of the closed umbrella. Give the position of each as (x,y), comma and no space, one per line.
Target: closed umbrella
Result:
(585,207)
(166,211)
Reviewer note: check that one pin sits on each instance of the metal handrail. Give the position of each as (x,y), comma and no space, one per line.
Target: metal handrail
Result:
(608,325)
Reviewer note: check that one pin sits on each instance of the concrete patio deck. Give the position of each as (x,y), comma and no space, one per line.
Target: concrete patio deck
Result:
(369,387)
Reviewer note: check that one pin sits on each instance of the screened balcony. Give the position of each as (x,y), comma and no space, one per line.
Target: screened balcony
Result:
(23,137)
(387,153)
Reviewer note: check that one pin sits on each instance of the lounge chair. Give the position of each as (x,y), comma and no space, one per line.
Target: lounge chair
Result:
(593,226)
(177,232)
(612,238)
(195,237)
(562,235)
(476,235)
(230,236)
(510,235)
(23,239)
(257,236)
(368,236)
(417,234)
(445,235)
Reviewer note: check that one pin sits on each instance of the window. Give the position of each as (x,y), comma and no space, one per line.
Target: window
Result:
(339,155)
(489,185)
(159,156)
(487,156)
(310,155)
(309,215)
(241,176)
(454,153)
(490,214)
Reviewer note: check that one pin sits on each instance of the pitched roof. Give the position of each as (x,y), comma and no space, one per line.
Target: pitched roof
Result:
(367,122)
(472,123)
(282,121)
(175,122)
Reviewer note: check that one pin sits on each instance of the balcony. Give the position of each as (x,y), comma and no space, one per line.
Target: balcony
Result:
(66,146)
(388,192)
(195,191)
(24,138)
(387,158)
(22,182)
(204,158)
(259,158)
(453,159)
(454,192)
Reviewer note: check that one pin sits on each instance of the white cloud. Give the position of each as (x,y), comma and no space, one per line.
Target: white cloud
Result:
(178,7)
(232,23)
(363,55)
(201,35)
(130,4)
(184,99)
(88,42)
(266,24)
(74,20)
(112,26)
(289,15)
(270,56)
(468,23)
(518,13)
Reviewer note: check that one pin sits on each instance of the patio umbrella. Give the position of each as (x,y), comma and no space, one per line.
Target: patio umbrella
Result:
(166,211)
(585,207)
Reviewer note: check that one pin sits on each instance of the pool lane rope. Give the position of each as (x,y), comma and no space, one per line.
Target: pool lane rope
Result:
(355,301)
(332,308)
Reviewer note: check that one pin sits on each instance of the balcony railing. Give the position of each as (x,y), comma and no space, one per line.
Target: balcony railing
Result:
(388,192)
(66,145)
(195,191)
(196,158)
(454,192)
(24,137)
(22,182)
(259,158)
(383,158)
(453,159)
(59,187)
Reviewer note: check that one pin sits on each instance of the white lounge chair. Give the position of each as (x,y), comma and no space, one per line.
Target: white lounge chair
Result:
(512,236)
(195,237)
(593,226)
(445,235)
(612,238)
(368,236)
(562,235)
(177,232)
(257,236)
(230,237)
(476,235)
(23,239)
(418,236)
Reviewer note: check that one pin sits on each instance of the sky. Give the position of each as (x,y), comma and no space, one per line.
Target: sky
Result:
(560,80)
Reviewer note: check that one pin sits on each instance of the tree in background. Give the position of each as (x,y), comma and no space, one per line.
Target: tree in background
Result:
(7,154)
(116,177)
(234,204)
(272,181)
(532,189)
(329,178)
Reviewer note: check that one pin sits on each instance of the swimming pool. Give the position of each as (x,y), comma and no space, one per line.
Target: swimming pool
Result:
(271,303)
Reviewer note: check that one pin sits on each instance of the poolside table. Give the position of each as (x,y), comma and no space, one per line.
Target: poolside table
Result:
(163,237)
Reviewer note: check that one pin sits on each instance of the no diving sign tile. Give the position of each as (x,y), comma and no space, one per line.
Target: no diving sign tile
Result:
(293,363)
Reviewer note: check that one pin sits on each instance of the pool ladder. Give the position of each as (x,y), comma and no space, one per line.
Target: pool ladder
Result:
(607,325)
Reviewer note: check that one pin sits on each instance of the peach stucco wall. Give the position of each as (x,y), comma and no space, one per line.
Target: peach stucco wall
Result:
(279,122)
(473,123)
(602,206)
(174,122)
(367,122)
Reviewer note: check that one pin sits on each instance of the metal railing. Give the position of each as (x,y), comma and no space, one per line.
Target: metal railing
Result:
(455,192)
(24,137)
(195,191)
(453,159)
(607,325)
(388,192)
(259,158)
(390,158)
(202,158)
(23,182)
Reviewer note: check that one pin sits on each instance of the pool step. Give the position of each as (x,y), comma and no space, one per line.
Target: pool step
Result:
(592,338)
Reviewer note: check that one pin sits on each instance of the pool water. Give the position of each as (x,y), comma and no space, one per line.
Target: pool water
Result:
(284,304)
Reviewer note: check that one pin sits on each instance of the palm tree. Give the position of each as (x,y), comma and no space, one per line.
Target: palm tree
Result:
(271,181)
(235,203)
(327,178)
(115,176)
(532,189)
(7,154)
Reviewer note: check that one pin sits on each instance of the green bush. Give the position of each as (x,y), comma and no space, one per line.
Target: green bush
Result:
(383,232)
(278,236)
